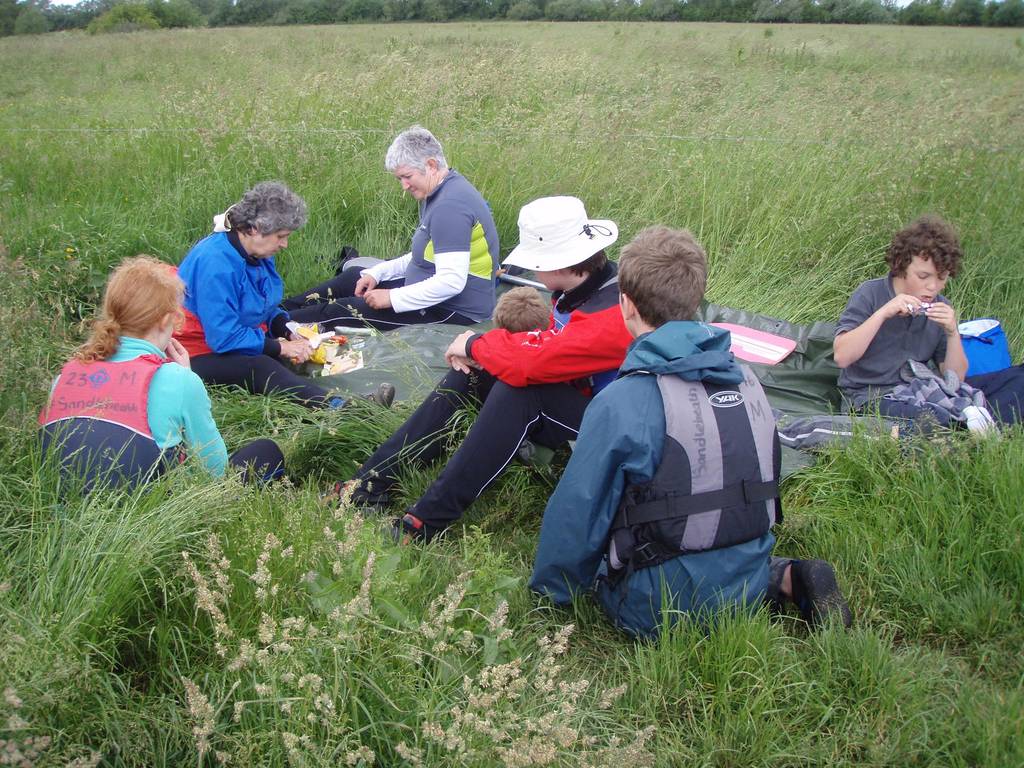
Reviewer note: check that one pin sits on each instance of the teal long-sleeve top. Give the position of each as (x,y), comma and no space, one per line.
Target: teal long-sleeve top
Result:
(178,408)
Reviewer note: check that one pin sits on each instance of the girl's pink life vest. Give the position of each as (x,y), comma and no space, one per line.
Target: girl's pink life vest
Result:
(97,420)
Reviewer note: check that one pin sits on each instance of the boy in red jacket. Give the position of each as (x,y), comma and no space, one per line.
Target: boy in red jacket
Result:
(532,385)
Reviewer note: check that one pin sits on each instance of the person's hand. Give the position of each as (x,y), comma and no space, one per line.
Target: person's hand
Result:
(458,357)
(177,353)
(378,298)
(944,315)
(902,305)
(462,364)
(296,351)
(365,283)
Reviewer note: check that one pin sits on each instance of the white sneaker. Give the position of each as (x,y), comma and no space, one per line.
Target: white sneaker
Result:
(979,420)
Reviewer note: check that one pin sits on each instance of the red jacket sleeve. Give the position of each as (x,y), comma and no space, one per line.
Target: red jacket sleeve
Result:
(588,344)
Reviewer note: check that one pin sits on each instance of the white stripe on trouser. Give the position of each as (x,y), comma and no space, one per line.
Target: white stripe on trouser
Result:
(519,442)
(815,431)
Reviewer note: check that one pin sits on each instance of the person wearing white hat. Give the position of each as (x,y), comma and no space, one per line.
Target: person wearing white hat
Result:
(532,385)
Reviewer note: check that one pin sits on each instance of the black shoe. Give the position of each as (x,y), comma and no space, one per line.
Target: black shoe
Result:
(384,396)
(346,253)
(816,593)
(409,529)
(370,504)
(773,596)
(365,503)
(406,529)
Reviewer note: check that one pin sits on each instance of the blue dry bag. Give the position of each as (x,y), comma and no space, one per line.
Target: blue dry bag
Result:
(985,346)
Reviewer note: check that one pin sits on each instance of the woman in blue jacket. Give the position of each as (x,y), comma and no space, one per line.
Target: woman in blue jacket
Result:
(234,331)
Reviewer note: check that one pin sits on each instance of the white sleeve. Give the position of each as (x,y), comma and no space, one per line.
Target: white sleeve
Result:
(391,269)
(452,271)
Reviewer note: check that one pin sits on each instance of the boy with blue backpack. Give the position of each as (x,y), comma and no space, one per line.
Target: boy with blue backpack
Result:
(672,490)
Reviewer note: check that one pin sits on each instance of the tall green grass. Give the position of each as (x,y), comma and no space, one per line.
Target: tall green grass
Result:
(792,157)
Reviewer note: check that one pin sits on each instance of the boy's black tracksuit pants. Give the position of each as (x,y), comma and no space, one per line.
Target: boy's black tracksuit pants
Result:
(548,414)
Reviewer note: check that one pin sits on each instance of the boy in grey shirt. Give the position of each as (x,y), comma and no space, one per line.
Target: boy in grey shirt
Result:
(901,317)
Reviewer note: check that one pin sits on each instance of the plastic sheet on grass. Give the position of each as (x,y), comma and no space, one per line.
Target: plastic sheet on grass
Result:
(803,384)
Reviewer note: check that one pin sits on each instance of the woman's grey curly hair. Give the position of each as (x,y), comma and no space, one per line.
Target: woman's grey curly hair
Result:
(413,147)
(267,208)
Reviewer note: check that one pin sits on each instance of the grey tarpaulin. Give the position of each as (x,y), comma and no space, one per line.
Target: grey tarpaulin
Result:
(805,382)
(801,386)
(411,358)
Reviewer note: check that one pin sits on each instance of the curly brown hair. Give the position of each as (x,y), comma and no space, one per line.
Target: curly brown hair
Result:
(930,237)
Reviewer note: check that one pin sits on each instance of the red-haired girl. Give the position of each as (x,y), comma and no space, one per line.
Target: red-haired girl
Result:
(123,405)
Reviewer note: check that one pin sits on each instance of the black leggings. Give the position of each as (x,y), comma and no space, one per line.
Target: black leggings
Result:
(260,461)
(333,303)
(259,374)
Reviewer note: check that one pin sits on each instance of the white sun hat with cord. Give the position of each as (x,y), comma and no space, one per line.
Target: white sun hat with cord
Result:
(555,233)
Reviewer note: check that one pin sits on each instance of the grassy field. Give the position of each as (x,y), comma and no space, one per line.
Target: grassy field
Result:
(207,623)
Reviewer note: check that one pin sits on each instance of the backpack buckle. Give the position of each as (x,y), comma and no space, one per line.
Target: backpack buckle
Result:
(644,553)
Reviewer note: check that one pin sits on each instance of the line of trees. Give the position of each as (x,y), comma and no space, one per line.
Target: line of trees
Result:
(19,17)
